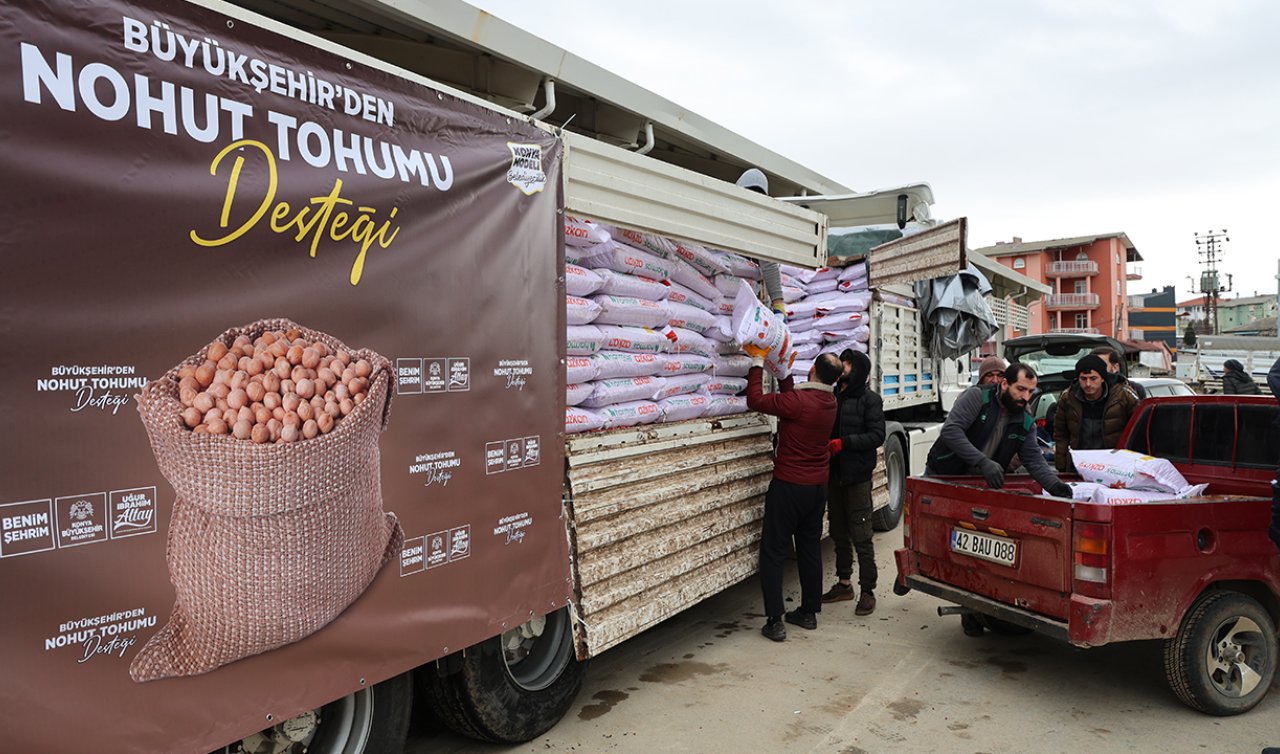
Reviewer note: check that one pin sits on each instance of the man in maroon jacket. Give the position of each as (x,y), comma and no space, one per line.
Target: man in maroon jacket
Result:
(797,496)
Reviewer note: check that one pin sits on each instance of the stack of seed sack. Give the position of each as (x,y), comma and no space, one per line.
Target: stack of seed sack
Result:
(1124,477)
(826,311)
(649,332)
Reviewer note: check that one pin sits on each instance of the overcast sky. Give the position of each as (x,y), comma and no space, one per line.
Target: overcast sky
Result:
(1040,119)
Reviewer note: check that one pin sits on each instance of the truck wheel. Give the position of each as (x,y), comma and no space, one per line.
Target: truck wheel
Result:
(514,687)
(370,721)
(895,469)
(1224,657)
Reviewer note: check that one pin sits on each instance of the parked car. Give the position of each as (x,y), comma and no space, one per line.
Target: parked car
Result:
(1158,387)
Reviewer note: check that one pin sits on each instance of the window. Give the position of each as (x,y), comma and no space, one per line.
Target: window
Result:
(1082,286)
(1169,432)
(1082,256)
(1214,437)
(1019,263)
(1262,451)
(1117,287)
(1117,259)
(1082,321)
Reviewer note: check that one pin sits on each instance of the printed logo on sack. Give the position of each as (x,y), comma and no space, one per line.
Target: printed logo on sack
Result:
(435,468)
(513,454)
(526,171)
(511,528)
(82,519)
(133,512)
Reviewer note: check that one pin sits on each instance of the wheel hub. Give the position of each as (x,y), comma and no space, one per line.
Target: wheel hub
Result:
(1236,660)
(537,652)
(289,737)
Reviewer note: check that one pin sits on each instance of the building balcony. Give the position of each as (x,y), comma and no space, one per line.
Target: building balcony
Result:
(1077,330)
(1134,274)
(1072,301)
(1072,269)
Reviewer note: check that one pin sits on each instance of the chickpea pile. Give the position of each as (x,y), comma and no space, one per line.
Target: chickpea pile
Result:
(279,388)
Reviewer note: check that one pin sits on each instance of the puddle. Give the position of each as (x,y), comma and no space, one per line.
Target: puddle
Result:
(607,700)
(675,672)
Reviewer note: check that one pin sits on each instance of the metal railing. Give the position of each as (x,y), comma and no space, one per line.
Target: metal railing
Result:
(1077,330)
(1072,268)
(1072,301)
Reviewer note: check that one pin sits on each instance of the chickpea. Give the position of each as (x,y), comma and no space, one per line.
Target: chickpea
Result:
(216,426)
(192,417)
(325,423)
(290,402)
(256,392)
(262,415)
(310,358)
(204,375)
(219,390)
(283,368)
(271,401)
(253,366)
(310,429)
(343,357)
(204,402)
(217,349)
(187,396)
(291,419)
(289,433)
(185,372)
(242,430)
(238,398)
(259,434)
(229,361)
(363,368)
(295,355)
(230,417)
(271,381)
(305,389)
(274,427)
(306,411)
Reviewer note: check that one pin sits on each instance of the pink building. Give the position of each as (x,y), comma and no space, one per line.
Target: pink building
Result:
(1089,278)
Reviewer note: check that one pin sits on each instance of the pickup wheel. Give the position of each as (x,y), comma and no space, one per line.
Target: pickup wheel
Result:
(1224,657)
(370,721)
(895,470)
(513,687)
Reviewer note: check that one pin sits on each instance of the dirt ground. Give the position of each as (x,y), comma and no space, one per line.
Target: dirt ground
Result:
(900,680)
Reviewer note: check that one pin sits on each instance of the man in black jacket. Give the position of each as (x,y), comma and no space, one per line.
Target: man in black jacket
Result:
(1236,381)
(858,431)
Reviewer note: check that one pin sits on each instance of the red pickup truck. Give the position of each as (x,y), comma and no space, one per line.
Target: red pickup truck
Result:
(1200,574)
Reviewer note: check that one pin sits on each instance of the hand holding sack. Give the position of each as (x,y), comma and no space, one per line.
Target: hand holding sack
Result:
(762,332)
(268,542)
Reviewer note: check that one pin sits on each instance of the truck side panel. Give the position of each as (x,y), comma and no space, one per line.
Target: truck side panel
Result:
(663,517)
(154,205)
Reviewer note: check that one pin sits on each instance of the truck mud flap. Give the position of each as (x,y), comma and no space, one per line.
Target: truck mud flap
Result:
(1038,623)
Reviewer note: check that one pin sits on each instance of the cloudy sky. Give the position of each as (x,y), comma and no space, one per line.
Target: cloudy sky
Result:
(1040,119)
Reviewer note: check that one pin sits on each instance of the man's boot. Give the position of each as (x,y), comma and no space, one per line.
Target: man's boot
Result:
(866,604)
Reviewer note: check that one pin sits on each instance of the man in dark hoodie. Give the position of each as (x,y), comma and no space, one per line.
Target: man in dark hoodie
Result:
(1091,413)
(797,494)
(1236,381)
(857,432)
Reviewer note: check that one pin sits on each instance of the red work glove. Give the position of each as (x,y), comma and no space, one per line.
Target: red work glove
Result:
(835,446)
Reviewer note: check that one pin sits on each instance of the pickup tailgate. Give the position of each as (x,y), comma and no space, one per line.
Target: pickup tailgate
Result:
(1012,545)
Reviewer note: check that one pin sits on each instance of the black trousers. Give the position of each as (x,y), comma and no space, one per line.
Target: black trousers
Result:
(792,510)
(849,510)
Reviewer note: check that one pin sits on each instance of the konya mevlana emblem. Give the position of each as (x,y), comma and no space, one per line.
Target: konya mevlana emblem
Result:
(526,171)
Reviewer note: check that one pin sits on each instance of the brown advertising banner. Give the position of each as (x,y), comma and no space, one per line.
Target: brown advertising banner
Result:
(281,384)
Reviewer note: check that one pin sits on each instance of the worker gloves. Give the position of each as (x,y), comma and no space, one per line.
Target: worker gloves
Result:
(1059,489)
(992,472)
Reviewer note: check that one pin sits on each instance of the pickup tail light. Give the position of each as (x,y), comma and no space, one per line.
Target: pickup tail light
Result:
(906,521)
(1091,559)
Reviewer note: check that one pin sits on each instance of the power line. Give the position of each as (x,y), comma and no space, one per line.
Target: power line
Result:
(1210,246)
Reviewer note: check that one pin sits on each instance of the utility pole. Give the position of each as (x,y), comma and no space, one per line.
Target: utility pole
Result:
(1210,249)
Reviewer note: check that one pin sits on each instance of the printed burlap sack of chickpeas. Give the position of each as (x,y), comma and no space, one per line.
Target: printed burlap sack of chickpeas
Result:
(269,436)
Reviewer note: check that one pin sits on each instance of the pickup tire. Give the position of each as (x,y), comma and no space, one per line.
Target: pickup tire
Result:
(895,469)
(370,721)
(511,688)
(1223,659)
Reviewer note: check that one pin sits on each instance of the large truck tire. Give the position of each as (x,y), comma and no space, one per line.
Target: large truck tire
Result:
(895,469)
(1223,659)
(370,721)
(511,688)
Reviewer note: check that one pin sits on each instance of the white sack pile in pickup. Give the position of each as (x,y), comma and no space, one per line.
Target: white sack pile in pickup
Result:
(1123,477)
(649,331)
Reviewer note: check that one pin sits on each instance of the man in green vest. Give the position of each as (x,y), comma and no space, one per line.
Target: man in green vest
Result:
(988,425)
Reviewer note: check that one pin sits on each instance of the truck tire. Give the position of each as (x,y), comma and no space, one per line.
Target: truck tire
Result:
(511,688)
(1223,659)
(370,721)
(895,469)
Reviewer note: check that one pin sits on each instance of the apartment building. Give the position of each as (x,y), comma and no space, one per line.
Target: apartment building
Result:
(1089,279)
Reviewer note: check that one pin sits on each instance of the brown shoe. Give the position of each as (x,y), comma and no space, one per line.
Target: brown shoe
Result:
(838,593)
(866,604)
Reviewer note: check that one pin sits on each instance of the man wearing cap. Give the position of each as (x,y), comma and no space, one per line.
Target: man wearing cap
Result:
(991,370)
(1112,358)
(1091,413)
(1236,381)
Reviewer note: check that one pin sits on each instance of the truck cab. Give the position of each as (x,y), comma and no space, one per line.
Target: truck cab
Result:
(1199,574)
